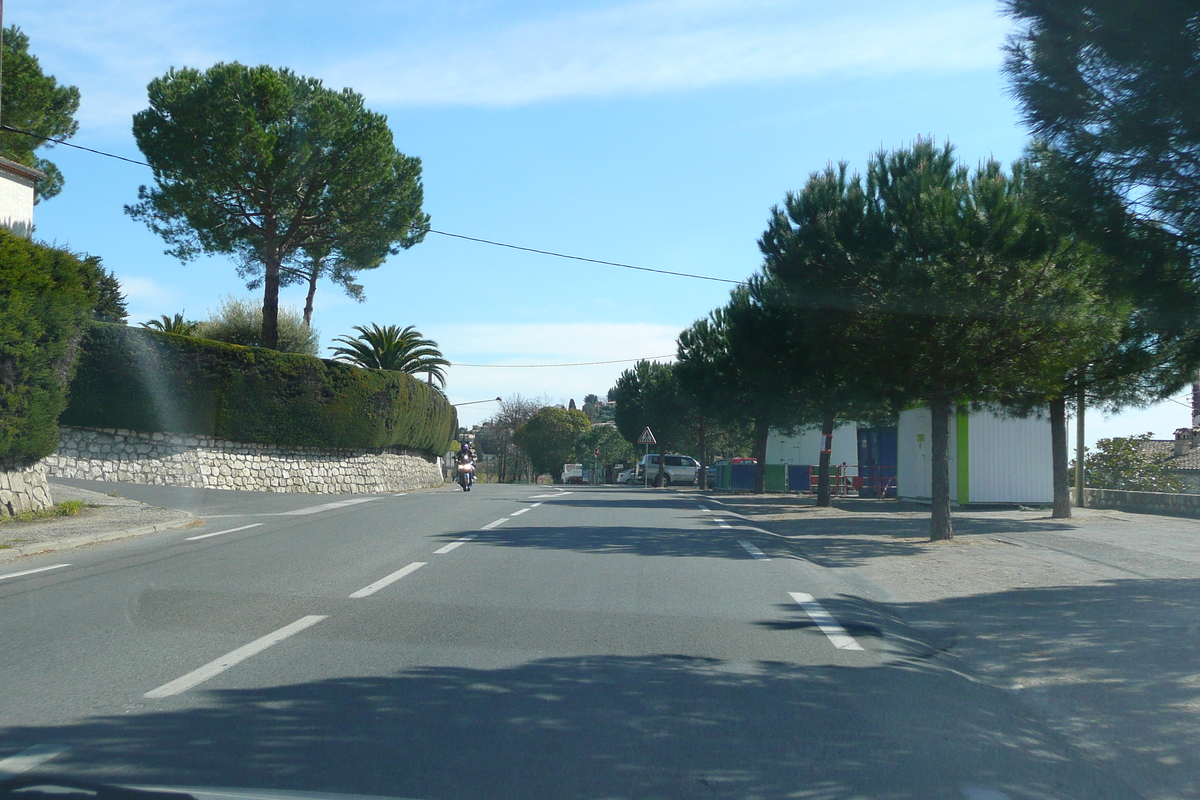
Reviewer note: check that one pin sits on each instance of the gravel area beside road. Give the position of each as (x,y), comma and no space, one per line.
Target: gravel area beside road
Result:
(105,518)
(886,545)
(1093,622)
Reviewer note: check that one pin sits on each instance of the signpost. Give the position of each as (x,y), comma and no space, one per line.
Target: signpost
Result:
(647,438)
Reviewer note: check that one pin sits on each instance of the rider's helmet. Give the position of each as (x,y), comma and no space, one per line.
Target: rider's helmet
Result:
(466,448)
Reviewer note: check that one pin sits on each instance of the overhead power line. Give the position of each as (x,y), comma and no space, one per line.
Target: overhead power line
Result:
(65,143)
(581,258)
(577,364)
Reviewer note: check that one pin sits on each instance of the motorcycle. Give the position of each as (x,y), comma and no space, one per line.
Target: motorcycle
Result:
(466,475)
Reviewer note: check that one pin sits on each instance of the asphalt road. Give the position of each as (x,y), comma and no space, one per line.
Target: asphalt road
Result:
(511,642)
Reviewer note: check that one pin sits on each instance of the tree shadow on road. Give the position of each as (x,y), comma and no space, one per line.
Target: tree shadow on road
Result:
(1115,666)
(612,727)
(625,540)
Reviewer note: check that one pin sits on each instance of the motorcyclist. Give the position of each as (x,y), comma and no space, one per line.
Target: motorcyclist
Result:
(465,456)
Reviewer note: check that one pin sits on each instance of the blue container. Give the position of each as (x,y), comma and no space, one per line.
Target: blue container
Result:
(799,477)
(741,477)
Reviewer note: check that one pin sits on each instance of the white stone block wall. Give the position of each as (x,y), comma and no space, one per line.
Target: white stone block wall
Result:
(23,487)
(202,462)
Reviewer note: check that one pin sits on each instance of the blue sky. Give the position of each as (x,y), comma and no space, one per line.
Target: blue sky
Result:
(651,132)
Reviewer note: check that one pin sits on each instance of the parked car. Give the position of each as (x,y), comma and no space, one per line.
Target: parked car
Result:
(677,469)
(628,476)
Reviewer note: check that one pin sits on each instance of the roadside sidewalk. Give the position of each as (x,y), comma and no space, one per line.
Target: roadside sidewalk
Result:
(106,518)
(1092,622)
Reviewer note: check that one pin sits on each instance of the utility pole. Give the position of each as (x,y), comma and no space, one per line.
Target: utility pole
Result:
(1,64)
(1080,450)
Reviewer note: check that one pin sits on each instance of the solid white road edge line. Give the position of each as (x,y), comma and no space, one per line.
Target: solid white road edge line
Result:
(828,625)
(367,591)
(28,759)
(32,571)
(222,533)
(214,668)
(452,545)
(491,525)
(754,551)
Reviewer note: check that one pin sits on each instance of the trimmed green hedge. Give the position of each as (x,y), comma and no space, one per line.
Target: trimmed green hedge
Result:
(45,296)
(148,381)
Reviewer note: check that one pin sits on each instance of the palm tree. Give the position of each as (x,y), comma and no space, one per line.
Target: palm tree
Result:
(392,348)
(176,324)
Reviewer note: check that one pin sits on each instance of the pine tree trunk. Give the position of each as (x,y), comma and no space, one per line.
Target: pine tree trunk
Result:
(1058,457)
(941,527)
(824,499)
(761,430)
(270,323)
(308,301)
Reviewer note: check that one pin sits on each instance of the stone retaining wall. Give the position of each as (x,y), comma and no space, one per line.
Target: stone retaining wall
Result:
(23,487)
(204,462)
(1175,505)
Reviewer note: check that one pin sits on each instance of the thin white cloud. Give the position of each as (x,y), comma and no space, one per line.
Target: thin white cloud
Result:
(148,299)
(145,291)
(679,45)
(501,54)
(549,343)
(554,343)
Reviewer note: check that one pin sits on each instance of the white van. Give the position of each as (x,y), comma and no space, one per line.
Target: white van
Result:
(678,469)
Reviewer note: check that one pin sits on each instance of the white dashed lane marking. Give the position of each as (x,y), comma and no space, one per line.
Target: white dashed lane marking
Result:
(828,625)
(301,512)
(33,571)
(454,544)
(28,759)
(759,555)
(367,591)
(229,660)
(222,533)
(494,524)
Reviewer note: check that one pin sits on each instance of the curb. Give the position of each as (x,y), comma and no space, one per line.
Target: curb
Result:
(68,542)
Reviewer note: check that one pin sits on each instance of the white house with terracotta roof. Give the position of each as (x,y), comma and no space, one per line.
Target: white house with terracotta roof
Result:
(16,196)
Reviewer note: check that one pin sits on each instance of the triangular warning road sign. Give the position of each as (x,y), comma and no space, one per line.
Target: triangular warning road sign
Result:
(647,437)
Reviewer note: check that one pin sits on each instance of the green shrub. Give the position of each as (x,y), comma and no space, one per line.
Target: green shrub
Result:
(45,296)
(1128,465)
(144,380)
(240,322)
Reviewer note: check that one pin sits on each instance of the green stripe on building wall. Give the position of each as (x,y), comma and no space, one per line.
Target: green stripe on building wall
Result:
(962,452)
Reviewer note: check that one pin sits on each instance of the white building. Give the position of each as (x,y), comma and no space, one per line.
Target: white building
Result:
(803,448)
(16,196)
(993,458)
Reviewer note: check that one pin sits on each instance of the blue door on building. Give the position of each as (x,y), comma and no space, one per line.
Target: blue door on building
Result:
(877,454)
